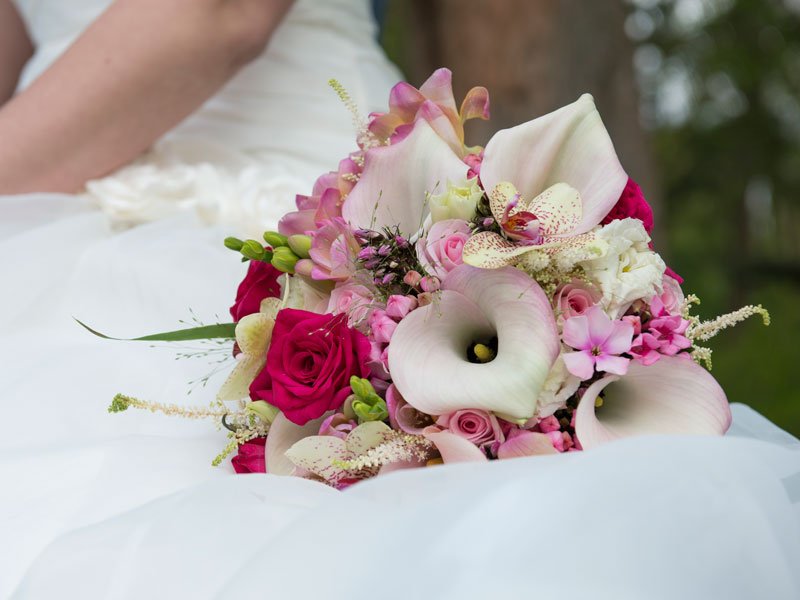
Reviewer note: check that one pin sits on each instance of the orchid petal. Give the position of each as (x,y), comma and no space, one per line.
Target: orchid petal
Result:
(283,434)
(366,436)
(396,179)
(489,250)
(672,396)
(527,443)
(475,104)
(428,353)
(455,449)
(570,145)
(558,209)
(319,455)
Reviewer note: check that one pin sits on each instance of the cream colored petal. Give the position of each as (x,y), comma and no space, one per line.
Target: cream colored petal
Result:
(237,385)
(558,209)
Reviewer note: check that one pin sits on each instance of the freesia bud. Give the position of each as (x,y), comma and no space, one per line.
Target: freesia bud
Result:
(253,250)
(275,239)
(300,245)
(304,267)
(233,243)
(284,259)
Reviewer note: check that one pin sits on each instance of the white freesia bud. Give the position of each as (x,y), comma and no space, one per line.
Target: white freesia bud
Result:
(457,202)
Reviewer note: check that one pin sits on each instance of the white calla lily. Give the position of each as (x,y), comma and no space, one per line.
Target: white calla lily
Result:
(672,396)
(428,354)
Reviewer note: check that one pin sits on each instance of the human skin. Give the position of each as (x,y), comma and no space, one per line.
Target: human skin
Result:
(135,73)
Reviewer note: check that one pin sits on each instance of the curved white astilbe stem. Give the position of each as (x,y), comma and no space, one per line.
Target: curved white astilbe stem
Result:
(428,353)
(671,396)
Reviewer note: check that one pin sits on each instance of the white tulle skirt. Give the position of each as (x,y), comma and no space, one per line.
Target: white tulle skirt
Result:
(99,505)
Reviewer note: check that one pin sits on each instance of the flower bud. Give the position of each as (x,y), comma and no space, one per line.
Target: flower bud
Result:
(253,250)
(284,259)
(233,243)
(274,239)
(304,266)
(300,245)
(430,283)
(412,278)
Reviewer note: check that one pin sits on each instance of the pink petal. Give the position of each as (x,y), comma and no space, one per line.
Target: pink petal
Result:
(600,326)
(620,339)
(616,365)
(404,100)
(475,104)
(428,353)
(442,125)
(455,449)
(570,146)
(576,332)
(672,396)
(393,186)
(283,434)
(580,364)
(439,88)
(528,443)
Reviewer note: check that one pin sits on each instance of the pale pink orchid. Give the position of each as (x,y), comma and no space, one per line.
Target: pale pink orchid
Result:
(598,341)
(428,356)
(569,146)
(334,249)
(672,396)
(433,102)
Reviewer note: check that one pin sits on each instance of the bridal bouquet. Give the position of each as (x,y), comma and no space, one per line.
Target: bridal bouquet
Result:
(432,302)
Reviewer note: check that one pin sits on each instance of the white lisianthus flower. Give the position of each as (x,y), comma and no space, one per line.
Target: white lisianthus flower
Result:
(457,202)
(628,270)
(558,387)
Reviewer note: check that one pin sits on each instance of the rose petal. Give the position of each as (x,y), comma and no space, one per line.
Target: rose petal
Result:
(455,449)
(428,353)
(672,396)
(396,179)
(570,145)
(283,434)
(527,443)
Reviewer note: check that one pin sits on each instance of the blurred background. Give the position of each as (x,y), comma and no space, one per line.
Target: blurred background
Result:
(702,99)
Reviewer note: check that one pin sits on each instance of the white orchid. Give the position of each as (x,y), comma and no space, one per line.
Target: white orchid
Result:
(428,355)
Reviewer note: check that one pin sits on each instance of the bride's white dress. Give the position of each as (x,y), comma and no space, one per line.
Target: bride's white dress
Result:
(94,505)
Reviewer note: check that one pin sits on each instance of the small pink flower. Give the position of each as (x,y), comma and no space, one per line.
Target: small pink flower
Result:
(334,249)
(398,306)
(645,349)
(425,298)
(478,426)
(430,284)
(636,321)
(412,278)
(549,424)
(474,161)
(337,425)
(672,297)
(440,251)
(575,298)
(382,326)
(598,342)
(352,299)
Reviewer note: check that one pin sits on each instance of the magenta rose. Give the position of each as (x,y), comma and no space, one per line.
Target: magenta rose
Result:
(309,364)
(251,457)
(631,204)
(260,282)
(575,298)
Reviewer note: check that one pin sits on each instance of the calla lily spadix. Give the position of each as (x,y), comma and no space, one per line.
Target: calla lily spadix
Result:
(428,354)
(672,396)
(569,146)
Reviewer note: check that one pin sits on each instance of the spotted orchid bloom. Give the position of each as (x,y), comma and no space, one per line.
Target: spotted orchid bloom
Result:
(545,223)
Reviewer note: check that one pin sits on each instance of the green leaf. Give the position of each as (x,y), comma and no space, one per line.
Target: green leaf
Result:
(206,332)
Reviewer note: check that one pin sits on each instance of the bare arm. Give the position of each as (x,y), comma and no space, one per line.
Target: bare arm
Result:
(141,68)
(15,49)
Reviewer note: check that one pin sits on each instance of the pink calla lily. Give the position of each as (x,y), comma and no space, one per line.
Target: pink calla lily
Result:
(672,396)
(428,353)
(454,448)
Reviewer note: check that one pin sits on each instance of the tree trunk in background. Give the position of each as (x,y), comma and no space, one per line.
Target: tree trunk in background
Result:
(533,56)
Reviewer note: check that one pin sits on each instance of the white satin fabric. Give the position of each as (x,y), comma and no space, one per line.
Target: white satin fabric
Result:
(98,505)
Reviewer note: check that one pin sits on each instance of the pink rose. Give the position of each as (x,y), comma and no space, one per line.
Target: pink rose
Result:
(575,298)
(440,251)
(309,364)
(251,457)
(334,249)
(478,426)
(631,204)
(260,282)
(398,306)
(381,326)
(672,296)
(353,300)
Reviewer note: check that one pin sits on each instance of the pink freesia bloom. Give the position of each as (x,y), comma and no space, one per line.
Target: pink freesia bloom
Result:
(398,306)
(575,298)
(440,251)
(599,341)
(478,426)
(334,249)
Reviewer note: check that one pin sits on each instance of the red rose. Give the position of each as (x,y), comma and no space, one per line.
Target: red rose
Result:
(260,282)
(251,457)
(309,364)
(631,204)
